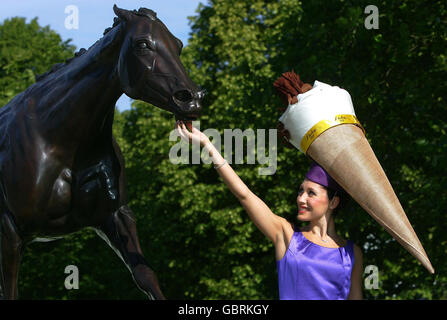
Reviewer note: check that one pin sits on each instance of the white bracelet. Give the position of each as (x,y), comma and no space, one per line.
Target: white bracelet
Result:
(220,165)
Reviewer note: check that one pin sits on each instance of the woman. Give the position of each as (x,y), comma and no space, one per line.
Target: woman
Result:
(314,262)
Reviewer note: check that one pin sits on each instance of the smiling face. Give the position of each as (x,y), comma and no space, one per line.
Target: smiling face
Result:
(150,69)
(313,202)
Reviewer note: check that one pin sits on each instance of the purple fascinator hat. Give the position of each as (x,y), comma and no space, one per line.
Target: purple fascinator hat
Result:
(318,175)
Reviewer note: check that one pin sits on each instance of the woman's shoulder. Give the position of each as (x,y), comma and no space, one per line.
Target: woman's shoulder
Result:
(358,256)
(355,249)
(350,243)
(347,243)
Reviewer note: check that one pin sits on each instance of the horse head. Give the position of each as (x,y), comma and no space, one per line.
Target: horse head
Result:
(149,66)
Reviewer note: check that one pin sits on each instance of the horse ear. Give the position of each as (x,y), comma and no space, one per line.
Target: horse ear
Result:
(123,14)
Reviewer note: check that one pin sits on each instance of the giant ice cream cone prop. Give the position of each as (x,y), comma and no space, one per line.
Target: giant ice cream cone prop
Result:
(323,125)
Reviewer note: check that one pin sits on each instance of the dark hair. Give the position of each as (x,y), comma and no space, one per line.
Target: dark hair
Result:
(343,196)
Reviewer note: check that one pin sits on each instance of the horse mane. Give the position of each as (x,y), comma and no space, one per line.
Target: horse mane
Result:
(143,12)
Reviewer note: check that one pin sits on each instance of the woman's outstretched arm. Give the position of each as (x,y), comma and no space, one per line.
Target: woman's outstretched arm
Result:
(272,226)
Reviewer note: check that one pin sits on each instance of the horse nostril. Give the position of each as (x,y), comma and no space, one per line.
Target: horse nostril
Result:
(183,96)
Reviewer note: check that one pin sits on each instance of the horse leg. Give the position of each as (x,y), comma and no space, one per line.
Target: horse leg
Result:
(11,251)
(120,232)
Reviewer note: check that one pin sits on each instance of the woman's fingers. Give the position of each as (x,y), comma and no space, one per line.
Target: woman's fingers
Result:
(181,131)
(185,133)
(194,130)
(185,130)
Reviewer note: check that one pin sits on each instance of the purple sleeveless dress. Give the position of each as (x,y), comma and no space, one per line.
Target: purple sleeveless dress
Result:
(309,271)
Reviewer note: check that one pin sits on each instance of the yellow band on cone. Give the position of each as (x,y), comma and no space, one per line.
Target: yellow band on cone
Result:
(323,125)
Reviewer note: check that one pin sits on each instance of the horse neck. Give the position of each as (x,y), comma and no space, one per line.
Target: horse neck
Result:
(82,95)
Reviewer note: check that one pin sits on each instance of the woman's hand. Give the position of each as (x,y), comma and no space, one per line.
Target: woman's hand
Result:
(269,223)
(194,135)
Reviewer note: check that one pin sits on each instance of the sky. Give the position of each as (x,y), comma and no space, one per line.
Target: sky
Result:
(93,16)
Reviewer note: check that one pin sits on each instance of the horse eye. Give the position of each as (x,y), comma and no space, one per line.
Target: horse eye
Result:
(143,45)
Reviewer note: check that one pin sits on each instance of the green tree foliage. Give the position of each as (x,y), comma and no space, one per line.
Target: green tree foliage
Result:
(192,230)
(26,50)
(201,240)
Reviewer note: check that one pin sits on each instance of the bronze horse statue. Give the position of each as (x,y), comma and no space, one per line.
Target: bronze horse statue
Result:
(61,169)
